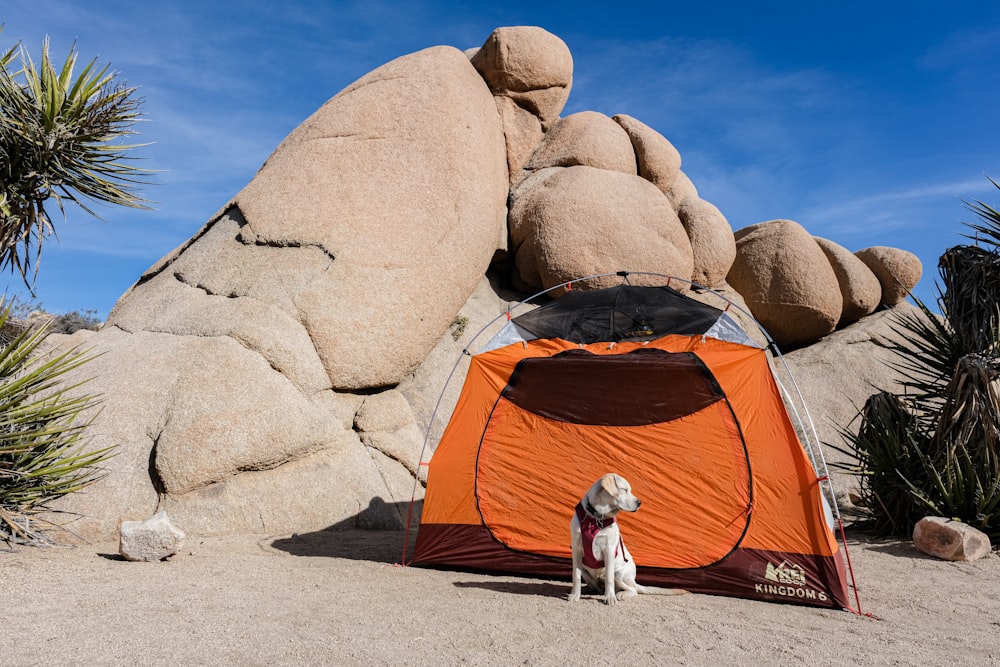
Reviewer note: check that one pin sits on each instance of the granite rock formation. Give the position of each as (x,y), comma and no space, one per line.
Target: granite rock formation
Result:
(277,372)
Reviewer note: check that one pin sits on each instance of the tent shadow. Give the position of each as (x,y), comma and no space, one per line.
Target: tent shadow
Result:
(537,588)
(377,533)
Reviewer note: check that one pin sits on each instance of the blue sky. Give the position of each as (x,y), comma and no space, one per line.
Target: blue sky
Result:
(867,122)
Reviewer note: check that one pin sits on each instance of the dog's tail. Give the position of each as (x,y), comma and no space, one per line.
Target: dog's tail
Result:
(650,590)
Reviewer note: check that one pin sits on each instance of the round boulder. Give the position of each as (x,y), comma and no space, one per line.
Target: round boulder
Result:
(859,287)
(529,65)
(657,159)
(712,241)
(898,271)
(586,138)
(581,221)
(787,282)
(679,190)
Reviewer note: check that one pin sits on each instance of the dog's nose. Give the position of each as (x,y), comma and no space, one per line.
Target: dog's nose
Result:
(638,503)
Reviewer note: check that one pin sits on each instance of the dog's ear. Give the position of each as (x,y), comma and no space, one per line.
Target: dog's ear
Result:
(610,484)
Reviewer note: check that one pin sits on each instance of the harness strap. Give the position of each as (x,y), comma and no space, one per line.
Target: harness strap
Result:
(589,526)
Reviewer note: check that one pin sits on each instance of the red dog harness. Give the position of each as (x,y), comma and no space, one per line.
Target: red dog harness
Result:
(589,526)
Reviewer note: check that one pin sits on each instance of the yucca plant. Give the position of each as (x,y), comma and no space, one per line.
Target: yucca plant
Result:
(970,416)
(971,297)
(59,134)
(936,449)
(926,351)
(960,466)
(61,140)
(889,449)
(43,453)
(960,488)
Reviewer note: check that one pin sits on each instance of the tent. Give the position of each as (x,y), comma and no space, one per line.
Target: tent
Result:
(665,390)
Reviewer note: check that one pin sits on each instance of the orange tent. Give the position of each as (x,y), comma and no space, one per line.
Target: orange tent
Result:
(664,390)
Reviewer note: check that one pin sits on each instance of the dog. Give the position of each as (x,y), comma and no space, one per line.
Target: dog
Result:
(599,553)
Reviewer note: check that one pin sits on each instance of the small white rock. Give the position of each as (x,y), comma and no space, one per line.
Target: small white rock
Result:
(151,540)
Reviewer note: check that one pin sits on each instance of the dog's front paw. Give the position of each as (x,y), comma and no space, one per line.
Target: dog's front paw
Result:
(574,596)
(610,599)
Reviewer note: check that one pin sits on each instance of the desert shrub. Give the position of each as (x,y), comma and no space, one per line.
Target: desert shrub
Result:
(936,448)
(43,453)
(67,323)
(26,314)
(889,447)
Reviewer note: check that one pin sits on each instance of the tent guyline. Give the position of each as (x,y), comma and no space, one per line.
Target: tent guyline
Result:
(670,392)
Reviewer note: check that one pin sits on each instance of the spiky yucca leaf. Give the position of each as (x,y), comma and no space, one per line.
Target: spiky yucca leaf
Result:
(926,351)
(987,230)
(43,452)
(959,488)
(970,417)
(937,449)
(58,134)
(971,298)
(887,449)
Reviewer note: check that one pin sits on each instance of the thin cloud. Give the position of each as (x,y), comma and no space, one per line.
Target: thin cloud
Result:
(898,200)
(967,50)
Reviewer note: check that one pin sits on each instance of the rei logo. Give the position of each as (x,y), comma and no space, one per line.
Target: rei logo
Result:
(786,573)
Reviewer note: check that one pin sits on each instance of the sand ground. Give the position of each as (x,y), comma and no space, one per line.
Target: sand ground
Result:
(340,598)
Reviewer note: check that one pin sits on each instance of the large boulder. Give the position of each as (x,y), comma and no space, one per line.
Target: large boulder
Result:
(529,65)
(898,271)
(580,221)
(860,289)
(586,138)
(410,154)
(281,371)
(530,72)
(248,351)
(786,281)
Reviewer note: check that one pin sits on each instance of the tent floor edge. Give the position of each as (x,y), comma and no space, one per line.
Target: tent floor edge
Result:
(753,574)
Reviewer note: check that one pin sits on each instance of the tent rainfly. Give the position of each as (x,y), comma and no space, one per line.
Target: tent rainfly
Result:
(665,390)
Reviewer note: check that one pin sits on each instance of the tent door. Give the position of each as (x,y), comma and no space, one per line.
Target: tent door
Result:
(658,418)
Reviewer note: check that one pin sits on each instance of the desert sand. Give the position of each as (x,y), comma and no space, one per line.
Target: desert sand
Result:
(341,598)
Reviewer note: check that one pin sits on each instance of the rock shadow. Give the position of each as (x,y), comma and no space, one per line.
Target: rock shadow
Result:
(377,533)
(893,546)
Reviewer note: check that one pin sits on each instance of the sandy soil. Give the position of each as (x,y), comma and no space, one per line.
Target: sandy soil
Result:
(340,598)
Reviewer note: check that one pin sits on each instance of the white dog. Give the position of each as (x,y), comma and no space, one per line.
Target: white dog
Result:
(598,549)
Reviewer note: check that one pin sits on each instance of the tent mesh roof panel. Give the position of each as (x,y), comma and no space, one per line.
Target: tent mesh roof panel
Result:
(622,313)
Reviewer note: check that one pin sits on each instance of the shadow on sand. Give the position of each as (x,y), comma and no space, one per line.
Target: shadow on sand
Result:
(377,533)
(539,588)
(893,546)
